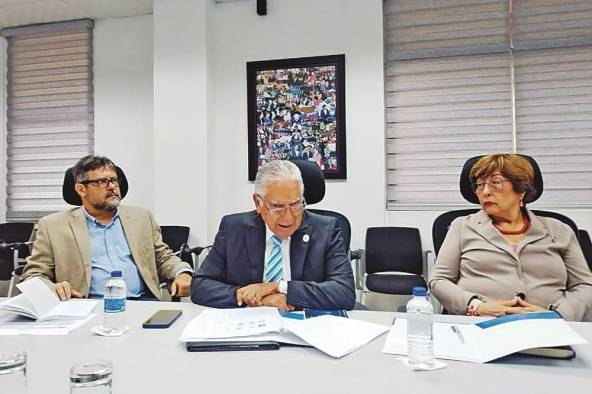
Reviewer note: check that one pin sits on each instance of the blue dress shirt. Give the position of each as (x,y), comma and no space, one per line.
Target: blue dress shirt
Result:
(109,251)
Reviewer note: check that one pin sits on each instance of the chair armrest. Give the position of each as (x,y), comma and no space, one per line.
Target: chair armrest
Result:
(425,268)
(358,255)
(187,253)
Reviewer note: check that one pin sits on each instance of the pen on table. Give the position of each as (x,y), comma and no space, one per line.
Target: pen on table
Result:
(459,334)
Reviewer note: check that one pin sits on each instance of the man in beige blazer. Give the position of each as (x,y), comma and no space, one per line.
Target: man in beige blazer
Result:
(75,250)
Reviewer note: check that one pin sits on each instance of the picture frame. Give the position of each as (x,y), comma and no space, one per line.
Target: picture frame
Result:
(296,111)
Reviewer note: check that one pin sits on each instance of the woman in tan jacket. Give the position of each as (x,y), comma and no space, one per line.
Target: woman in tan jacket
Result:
(504,259)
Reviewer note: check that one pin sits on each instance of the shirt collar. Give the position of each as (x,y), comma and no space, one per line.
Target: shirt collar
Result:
(92,219)
(269,234)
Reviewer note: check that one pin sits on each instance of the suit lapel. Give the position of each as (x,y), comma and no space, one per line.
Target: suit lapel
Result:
(79,229)
(483,225)
(132,237)
(255,240)
(536,231)
(298,249)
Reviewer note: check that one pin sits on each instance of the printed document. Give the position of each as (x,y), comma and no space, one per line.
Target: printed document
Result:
(335,336)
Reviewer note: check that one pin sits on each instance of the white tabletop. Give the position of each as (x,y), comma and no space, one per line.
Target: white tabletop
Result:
(154,361)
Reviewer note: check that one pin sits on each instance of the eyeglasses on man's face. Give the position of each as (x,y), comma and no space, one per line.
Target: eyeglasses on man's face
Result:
(276,209)
(102,182)
(495,185)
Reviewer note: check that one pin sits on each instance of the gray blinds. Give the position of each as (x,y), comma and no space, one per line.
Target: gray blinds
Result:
(49,112)
(450,76)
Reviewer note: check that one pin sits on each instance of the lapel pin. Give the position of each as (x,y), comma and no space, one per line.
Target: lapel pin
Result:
(305,238)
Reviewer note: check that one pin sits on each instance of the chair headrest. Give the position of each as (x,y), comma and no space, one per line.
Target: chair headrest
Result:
(466,188)
(69,192)
(313,179)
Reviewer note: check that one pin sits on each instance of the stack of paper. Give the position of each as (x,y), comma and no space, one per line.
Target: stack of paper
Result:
(335,336)
(489,340)
(51,316)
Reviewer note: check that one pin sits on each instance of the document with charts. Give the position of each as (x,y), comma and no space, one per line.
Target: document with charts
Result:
(333,335)
(491,339)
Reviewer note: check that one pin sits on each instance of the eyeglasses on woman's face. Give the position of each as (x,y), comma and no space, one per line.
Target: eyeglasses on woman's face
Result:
(495,184)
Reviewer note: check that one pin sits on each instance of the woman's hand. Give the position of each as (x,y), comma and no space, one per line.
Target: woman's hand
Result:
(501,308)
(530,307)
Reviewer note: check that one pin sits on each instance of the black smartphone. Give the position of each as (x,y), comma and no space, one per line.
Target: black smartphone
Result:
(163,318)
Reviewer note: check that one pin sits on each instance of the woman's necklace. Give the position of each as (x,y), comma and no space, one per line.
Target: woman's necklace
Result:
(522,230)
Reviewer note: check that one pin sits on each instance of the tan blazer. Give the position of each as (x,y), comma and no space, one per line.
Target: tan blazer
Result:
(61,250)
(548,266)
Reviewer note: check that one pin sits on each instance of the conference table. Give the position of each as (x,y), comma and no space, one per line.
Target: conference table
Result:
(154,361)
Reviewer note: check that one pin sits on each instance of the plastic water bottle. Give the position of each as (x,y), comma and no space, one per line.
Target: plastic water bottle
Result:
(420,344)
(114,305)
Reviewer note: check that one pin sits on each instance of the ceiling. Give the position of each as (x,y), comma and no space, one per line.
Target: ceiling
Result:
(26,12)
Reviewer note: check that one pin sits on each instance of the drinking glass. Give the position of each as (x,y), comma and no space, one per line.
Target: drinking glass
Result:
(13,373)
(92,377)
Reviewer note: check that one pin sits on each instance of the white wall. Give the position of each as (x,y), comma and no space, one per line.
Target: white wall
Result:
(181,115)
(123,101)
(298,29)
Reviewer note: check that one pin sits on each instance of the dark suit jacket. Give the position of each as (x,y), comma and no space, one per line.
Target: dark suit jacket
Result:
(321,273)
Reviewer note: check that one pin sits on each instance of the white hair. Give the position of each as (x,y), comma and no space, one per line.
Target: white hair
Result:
(277,171)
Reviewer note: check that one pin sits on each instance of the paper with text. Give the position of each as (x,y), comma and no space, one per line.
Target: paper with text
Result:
(336,336)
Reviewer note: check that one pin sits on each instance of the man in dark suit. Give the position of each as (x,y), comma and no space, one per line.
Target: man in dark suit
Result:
(278,255)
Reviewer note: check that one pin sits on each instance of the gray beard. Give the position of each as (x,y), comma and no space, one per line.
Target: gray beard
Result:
(107,206)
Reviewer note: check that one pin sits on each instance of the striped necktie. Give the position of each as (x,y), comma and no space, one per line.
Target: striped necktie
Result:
(274,270)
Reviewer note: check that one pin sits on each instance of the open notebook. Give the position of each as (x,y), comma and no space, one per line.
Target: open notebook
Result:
(38,302)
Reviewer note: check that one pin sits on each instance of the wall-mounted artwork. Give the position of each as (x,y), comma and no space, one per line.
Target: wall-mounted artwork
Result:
(296,111)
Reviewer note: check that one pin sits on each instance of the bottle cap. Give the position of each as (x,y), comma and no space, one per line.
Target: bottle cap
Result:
(116,274)
(420,291)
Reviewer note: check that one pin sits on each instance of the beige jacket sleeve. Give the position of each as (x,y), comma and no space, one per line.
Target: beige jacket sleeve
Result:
(577,297)
(41,261)
(446,273)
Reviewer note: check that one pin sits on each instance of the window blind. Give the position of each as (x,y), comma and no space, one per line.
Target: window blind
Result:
(448,90)
(49,112)
(553,59)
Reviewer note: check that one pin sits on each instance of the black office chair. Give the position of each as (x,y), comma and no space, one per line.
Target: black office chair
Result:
(15,239)
(442,222)
(177,238)
(69,191)
(314,192)
(393,260)
(586,245)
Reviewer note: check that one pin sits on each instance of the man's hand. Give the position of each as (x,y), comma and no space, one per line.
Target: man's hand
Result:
(500,308)
(181,286)
(252,295)
(64,291)
(278,300)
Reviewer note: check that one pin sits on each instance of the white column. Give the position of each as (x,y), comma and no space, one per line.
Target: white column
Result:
(180,115)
